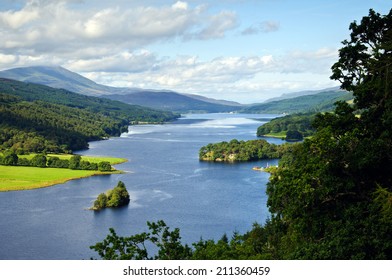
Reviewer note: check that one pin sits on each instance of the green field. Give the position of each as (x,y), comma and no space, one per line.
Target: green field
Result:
(281,134)
(13,178)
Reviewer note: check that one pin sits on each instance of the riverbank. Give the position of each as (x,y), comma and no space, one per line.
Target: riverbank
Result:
(17,178)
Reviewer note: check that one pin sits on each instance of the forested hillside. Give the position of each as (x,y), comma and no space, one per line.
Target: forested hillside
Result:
(301,123)
(321,102)
(35,118)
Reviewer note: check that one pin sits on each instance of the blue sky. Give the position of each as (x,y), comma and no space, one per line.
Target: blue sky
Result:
(247,51)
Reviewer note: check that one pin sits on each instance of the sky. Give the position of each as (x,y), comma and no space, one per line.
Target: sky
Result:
(245,51)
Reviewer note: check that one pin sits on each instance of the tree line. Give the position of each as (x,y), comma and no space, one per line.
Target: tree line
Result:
(75,162)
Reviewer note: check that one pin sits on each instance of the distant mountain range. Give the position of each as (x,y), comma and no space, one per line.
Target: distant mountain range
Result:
(59,77)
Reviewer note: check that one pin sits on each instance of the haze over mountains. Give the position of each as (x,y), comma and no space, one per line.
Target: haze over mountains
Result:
(59,77)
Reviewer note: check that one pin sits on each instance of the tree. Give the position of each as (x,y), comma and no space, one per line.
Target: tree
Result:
(10,158)
(100,202)
(104,166)
(38,161)
(294,135)
(74,162)
(167,243)
(330,196)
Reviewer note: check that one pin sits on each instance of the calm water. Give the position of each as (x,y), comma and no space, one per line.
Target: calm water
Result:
(165,180)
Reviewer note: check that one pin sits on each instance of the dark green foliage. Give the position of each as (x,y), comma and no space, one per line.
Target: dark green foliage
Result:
(55,162)
(74,162)
(37,118)
(333,194)
(167,243)
(294,135)
(86,165)
(38,161)
(297,122)
(116,197)
(9,158)
(100,202)
(104,166)
(242,151)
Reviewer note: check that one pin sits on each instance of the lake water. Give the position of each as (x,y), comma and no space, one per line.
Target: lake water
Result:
(165,180)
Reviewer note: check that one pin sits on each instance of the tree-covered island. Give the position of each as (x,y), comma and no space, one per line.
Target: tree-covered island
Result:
(237,151)
(116,197)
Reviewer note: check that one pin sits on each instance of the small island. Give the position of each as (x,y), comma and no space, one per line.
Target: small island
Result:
(113,198)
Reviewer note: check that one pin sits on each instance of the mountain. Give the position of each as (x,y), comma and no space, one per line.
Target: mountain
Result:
(319,102)
(59,77)
(168,100)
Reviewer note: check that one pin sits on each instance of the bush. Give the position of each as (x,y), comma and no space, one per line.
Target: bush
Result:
(100,202)
(74,162)
(104,166)
(38,161)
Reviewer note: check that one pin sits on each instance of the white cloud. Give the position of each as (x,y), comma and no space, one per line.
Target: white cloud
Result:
(218,26)
(180,5)
(57,27)
(241,78)
(109,43)
(262,27)
(17,19)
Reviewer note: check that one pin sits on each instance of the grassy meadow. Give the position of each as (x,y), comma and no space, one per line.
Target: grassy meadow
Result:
(13,178)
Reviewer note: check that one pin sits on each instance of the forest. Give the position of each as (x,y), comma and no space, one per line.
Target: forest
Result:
(36,118)
(331,197)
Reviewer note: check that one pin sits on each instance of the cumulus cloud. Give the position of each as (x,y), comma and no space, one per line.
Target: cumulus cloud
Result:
(109,44)
(236,75)
(56,26)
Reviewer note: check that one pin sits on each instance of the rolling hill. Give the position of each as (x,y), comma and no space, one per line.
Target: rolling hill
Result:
(319,102)
(37,118)
(58,77)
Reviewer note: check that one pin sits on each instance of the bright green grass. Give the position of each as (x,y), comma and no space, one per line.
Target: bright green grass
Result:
(281,134)
(13,178)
